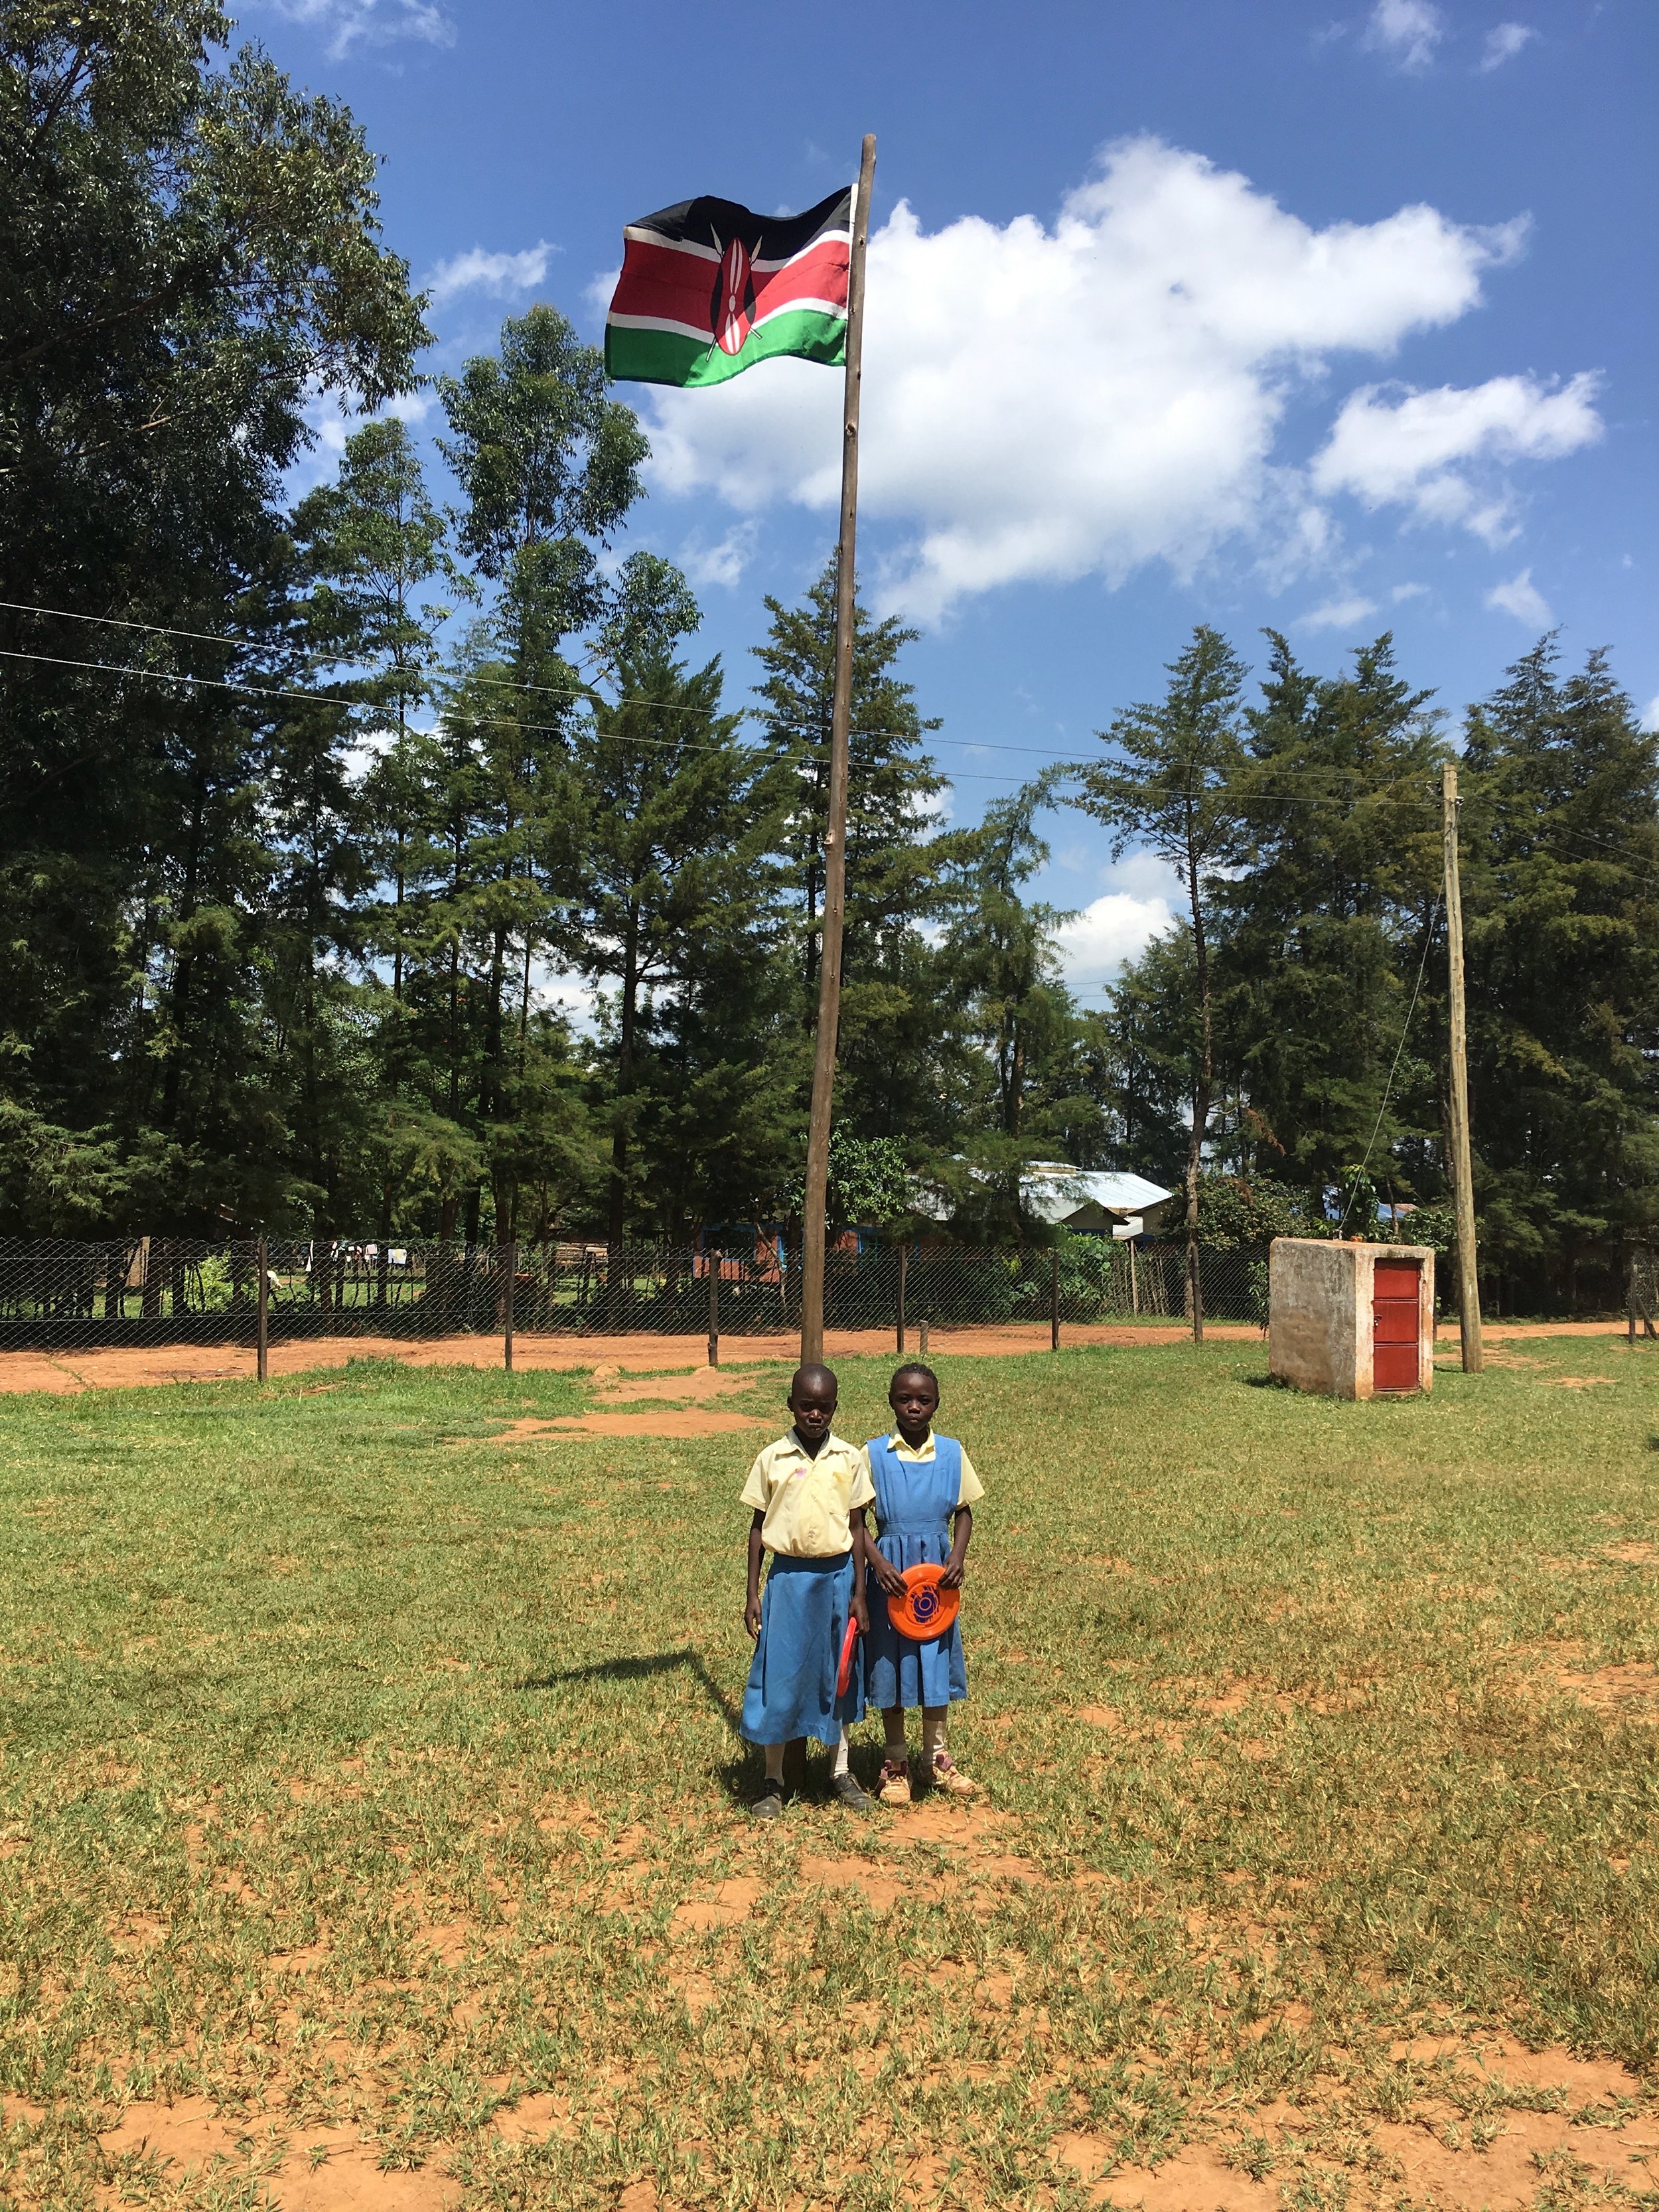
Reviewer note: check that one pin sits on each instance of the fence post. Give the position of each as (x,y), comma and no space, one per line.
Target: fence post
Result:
(510,1255)
(904,1258)
(711,1259)
(1054,1300)
(262,1309)
(1134,1283)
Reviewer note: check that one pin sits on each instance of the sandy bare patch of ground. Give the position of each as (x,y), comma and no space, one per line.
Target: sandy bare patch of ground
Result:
(320,2170)
(671,1421)
(1434,2156)
(673,1418)
(125,1367)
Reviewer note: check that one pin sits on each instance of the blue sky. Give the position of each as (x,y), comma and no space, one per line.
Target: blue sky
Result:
(1337,320)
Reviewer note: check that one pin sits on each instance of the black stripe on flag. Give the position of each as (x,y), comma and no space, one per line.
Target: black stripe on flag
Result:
(713,223)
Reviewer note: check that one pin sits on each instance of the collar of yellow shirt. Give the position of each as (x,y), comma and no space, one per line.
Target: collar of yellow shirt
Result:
(900,1449)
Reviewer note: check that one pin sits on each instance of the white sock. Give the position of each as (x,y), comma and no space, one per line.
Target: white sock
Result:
(933,1732)
(774,1762)
(839,1766)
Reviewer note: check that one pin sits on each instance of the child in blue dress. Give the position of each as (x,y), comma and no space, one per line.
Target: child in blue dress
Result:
(923,1483)
(808,1491)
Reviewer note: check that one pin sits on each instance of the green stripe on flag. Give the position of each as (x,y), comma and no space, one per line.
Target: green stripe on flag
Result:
(670,357)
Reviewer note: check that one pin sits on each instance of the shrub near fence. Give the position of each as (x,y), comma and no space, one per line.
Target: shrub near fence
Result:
(55,1295)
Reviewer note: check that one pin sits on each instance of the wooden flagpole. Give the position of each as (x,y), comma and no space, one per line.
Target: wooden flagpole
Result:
(1463,1178)
(835,843)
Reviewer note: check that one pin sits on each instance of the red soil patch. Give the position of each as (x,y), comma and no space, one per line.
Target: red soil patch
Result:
(881,1891)
(1196,2179)
(671,1421)
(1631,1690)
(126,1367)
(190,2138)
(729,1905)
(533,2119)
(1503,2176)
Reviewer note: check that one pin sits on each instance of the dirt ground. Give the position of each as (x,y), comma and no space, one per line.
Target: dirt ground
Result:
(121,1369)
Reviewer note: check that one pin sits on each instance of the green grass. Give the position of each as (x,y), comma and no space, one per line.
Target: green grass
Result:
(352,1768)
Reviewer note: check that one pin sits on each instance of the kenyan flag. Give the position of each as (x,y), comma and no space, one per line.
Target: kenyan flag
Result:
(708,289)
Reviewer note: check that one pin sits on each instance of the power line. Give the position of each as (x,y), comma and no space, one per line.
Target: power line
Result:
(1388,1088)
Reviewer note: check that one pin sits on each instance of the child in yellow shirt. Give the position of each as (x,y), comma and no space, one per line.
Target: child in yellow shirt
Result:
(808,1491)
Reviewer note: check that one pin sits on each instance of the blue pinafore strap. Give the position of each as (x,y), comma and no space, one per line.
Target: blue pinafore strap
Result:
(916,1498)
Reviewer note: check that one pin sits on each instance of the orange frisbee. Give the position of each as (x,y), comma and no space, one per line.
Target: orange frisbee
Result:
(844,1672)
(925,1611)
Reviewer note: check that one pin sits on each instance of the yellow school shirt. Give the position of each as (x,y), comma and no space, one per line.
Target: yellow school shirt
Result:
(969,1489)
(806,1501)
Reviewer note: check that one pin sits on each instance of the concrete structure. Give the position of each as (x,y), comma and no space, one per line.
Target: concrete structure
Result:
(1351,1321)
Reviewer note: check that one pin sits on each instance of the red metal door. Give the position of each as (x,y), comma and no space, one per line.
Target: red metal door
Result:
(1394,1324)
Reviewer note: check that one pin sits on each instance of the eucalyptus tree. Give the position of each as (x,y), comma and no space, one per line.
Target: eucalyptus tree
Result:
(679,910)
(893,1074)
(1172,789)
(191,251)
(1561,908)
(1331,910)
(548,464)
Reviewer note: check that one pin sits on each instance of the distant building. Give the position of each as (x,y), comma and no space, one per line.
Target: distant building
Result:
(1093,1203)
(1087,1200)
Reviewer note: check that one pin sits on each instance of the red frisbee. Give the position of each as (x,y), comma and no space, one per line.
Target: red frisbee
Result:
(925,1611)
(844,1672)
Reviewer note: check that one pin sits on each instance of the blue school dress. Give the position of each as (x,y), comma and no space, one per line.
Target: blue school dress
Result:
(915,1500)
(805,1608)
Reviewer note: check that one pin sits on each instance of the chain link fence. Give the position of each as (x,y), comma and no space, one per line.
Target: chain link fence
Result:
(158,1291)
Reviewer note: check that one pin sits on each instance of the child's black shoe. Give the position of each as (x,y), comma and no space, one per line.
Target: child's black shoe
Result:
(844,1787)
(769,1804)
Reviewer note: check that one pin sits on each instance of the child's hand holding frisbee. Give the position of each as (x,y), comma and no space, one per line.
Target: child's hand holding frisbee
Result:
(928,1605)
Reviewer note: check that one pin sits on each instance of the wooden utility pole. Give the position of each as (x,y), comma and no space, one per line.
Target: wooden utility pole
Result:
(1468,1280)
(835,843)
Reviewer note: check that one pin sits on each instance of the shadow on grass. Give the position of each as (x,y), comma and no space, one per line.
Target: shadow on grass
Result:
(739,1776)
(640,1669)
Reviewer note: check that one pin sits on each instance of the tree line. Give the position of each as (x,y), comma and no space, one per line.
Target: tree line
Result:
(305,805)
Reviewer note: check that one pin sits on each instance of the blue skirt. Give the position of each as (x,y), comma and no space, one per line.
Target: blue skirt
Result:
(897,1672)
(805,1608)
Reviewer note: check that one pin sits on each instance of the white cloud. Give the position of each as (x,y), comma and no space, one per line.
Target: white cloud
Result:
(1418,450)
(1108,932)
(348,23)
(500,275)
(1504,44)
(722,562)
(1409,592)
(1650,720)
(1046,404)
(1406,30)
(1337,614)
(1521,598)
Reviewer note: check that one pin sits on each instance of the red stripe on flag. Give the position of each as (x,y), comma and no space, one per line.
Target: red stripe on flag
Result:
(660,282)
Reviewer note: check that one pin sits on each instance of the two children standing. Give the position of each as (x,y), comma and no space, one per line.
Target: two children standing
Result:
(811,1493)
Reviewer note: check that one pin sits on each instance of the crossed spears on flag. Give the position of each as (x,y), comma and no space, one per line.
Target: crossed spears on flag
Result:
(706,290)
